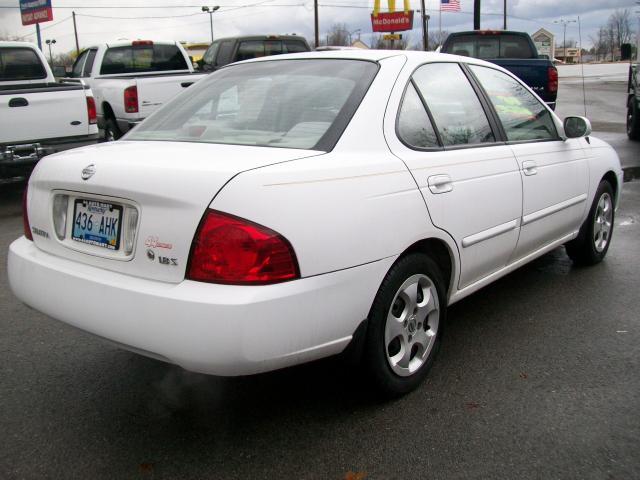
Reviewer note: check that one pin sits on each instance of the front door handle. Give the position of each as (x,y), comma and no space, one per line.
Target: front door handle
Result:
(529,167)
(18,102)
(440,183)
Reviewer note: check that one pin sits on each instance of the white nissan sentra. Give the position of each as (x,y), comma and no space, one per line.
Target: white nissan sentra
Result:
(284,209)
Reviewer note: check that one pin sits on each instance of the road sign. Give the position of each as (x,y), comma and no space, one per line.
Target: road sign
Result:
(392,21)
(392,36)
(35,11)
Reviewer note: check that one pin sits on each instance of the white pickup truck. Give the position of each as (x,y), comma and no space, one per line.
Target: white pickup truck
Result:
(38,115)
(131,79)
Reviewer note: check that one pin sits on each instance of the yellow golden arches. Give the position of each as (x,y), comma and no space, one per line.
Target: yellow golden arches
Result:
(392,6)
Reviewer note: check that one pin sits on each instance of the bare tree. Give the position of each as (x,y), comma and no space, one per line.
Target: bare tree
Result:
(379,43)
(338,35)
(620,23)
(437,38)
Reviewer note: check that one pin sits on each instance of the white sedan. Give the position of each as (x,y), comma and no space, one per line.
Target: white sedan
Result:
(285,209)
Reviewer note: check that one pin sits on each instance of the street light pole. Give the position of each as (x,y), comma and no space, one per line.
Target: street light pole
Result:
(50,42)
(564,35)
(210,12)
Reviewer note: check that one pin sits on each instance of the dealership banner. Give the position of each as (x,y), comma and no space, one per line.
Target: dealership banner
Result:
(392,21)
(35,11)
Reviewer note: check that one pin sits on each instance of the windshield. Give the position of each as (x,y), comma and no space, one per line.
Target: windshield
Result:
(489,46)
(303,104)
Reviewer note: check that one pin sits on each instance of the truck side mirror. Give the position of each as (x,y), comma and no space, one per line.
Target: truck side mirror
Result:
(576,127)
(59,72)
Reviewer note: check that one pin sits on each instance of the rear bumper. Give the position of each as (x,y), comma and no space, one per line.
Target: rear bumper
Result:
(17,160)
(216,329)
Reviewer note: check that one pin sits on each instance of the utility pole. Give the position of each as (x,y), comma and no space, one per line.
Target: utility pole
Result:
(39,37)
(75,31)
(210,12)
(423,13)
(476,14)
(505,15)
(316,24)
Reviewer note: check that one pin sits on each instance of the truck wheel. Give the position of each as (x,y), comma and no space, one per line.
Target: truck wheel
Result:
(633,119)
(111,130)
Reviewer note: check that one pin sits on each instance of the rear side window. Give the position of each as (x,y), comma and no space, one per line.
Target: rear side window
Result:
(291,46)
(491,46)
(521,114)
(224,54)
(88,65)
(456,110)
(142,58)
(414,126)
(18,63)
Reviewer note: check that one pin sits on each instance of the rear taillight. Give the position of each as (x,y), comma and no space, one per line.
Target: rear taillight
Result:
(91,111)
(552,79)
(232,250)
(25,215)
(131,99)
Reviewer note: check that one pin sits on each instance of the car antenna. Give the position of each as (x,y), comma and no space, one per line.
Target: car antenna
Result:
(584,93)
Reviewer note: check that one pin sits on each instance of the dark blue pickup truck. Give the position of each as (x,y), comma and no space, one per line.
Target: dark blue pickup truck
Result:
(514,51)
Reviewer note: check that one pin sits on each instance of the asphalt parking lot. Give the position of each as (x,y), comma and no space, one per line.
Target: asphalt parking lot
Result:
(537,378)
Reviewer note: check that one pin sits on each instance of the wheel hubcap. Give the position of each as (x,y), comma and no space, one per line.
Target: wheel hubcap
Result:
(602,222)
(412,325)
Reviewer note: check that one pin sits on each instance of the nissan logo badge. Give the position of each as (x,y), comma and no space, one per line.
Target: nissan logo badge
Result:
(88,171)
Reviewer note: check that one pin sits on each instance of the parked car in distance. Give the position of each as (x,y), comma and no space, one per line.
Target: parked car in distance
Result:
(38,115)
(131,79)
(234,49)
(514,51)
(284,210)
(633,103)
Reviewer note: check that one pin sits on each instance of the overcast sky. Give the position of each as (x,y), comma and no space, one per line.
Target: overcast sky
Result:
(238,17)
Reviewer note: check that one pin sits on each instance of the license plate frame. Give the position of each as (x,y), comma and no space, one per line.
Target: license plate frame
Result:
(95,212)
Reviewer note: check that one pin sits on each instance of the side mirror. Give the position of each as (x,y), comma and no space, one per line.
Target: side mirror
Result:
(59,72)
(576,127)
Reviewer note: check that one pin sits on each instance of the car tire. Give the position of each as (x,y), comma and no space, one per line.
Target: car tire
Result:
(633,119)
(594,238)
(111,130)
(405,325)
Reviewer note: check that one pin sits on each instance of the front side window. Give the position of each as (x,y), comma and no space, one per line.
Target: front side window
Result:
(224,54)
(303,104)
(88,65)
(142,58)
(210,55)
(521,114)
(454,105)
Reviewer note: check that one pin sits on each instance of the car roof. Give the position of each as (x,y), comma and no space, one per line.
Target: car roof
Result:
(7,43)
(263,37)
(413,56)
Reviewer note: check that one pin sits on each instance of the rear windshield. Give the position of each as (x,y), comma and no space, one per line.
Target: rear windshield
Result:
(263,48)
(491,46)
(17,63)
(303,104)
(142,58)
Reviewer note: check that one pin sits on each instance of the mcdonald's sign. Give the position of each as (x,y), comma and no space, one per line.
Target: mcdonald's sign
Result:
(391,21)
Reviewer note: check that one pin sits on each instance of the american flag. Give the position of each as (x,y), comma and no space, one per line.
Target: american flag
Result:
(450,5)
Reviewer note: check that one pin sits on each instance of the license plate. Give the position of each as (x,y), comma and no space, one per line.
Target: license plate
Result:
(97,223)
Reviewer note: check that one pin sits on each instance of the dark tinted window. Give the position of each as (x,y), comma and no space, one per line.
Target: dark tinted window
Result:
(491,46)
(210,55)
(457,112)
(142,58)
(224,54)
(414,126)
(292,46)
(288,104)
(522,115)
(78,64)
(88,65)
(251,49)
(18,63)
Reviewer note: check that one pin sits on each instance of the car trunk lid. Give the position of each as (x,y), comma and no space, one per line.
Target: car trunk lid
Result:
(168,184)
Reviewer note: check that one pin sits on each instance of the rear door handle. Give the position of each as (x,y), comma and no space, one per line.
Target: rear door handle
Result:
(440,183)
(529,167)
(18,102)
(186,84)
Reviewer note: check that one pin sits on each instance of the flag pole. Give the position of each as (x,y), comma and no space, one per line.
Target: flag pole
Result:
(439,22)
